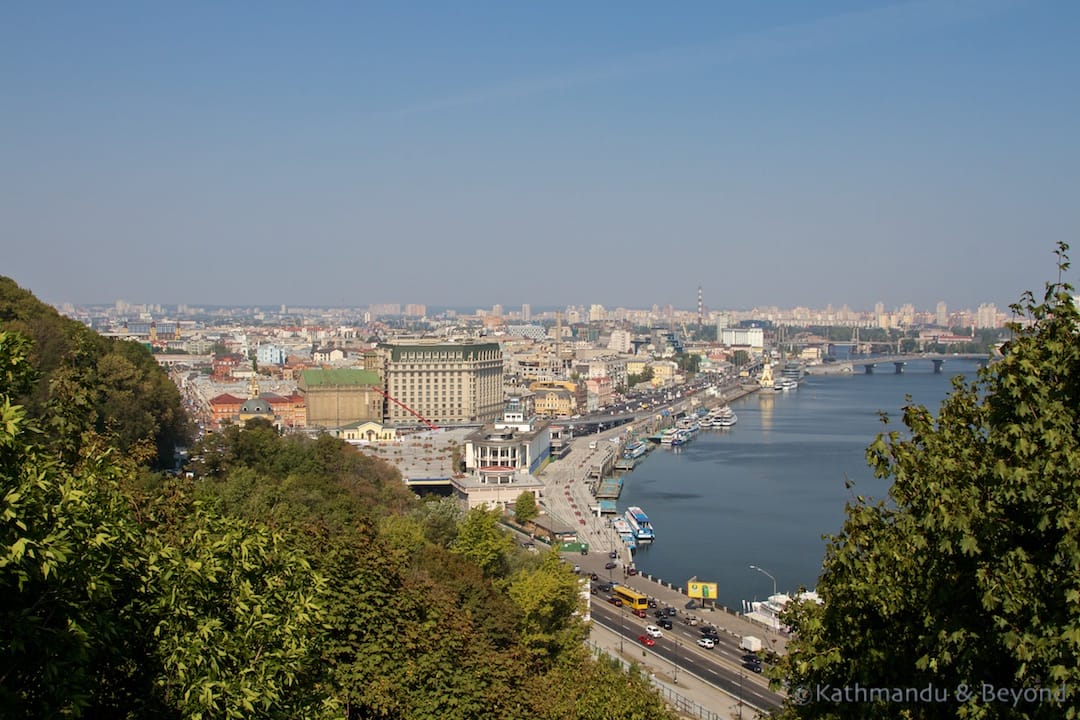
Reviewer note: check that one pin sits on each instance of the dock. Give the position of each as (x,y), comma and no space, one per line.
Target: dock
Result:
(609,489)
(625,463)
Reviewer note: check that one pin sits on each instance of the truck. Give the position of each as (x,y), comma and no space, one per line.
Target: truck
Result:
(750,644)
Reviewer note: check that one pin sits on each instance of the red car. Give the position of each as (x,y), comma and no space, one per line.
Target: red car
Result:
(639,612)
(646,640)
(615,601)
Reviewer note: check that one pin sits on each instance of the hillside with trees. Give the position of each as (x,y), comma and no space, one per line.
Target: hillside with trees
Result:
(292,577)
(964,584)
(85,382)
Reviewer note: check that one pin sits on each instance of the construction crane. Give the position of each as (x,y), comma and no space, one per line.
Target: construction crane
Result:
(418,416)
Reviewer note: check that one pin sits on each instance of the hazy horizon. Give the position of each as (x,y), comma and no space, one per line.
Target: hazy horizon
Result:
(788,154)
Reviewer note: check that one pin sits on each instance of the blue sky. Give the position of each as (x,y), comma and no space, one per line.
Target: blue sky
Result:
(467,154)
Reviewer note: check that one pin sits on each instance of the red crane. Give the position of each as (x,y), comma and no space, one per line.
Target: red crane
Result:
(421,418)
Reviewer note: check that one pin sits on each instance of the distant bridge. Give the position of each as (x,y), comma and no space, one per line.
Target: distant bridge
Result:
(899,361)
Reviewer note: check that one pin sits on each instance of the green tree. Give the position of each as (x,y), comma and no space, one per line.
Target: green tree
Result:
(525,509)
(239,607)
(70,568)
(548,599)
(481,540)
(969,575)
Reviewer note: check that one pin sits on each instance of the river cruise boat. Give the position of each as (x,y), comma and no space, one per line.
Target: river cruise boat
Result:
(639,523)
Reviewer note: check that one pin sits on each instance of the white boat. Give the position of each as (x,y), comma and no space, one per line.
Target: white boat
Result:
(624,531)
(640,524)
(635,450)
(669,436)
(767,612)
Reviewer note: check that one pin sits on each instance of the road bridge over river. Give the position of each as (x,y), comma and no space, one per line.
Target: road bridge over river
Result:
(870,363)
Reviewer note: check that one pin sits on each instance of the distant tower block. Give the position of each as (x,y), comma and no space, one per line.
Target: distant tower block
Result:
(700,309)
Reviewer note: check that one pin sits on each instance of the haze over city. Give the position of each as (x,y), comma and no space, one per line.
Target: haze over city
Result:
(470,154)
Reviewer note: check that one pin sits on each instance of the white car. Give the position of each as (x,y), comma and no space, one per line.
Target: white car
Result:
(706,643)
(653,631)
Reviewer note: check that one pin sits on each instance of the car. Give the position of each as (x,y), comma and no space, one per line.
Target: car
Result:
(646,640)
(594,576)
(653,631)
(664,623)
(639,612)
(652,603)
(613,554)
(610,565)
(706,643)
(577,569)
(753,666)
(617,602)
(631,570)
(605,587)
(670,612)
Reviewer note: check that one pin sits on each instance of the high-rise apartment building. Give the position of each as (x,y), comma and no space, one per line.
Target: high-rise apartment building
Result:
(526,312)
(444,382)
(986,316)
(941,315)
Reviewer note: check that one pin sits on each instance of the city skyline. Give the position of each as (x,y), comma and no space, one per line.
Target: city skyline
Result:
(832,153)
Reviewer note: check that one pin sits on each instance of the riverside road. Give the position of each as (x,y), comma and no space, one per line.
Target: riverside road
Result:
(714,677)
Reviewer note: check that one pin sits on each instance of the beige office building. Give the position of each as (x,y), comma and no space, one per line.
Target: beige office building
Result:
(444,382)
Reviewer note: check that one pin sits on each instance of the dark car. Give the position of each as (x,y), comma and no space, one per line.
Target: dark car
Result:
(753,666)
(613,554)
(594,576)
(664,623)
(606,587)
(670,612)
(652,603)
(609,565)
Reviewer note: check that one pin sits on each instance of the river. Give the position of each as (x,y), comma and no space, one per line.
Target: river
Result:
(765,491)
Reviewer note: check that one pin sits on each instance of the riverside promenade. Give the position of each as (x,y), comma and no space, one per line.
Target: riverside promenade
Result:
(568,499)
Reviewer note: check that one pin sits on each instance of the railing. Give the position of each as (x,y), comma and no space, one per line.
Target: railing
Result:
(681,703)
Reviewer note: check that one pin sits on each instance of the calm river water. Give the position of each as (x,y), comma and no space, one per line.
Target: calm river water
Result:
(765,491)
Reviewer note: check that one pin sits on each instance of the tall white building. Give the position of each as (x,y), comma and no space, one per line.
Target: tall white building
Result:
(986,316)
(526,312)
(620,341)
(941,317)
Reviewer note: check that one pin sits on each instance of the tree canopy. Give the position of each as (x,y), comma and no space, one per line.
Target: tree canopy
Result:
(967,578)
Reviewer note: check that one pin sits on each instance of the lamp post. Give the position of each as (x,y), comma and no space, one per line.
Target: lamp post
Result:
(766,574)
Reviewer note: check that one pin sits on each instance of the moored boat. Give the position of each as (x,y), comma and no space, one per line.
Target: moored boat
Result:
(640,524)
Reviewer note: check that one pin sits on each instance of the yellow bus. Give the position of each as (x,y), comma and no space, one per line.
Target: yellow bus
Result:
(631,598)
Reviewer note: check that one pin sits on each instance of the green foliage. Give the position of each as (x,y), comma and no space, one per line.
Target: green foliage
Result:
(481,540)
(548,599)
(69,566)
(87,383)
(594,690)
(637,378)
(525,509)
(238,606)
(688,363)
(970,573)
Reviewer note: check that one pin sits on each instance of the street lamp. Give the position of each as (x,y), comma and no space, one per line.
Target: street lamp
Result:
(766,574)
